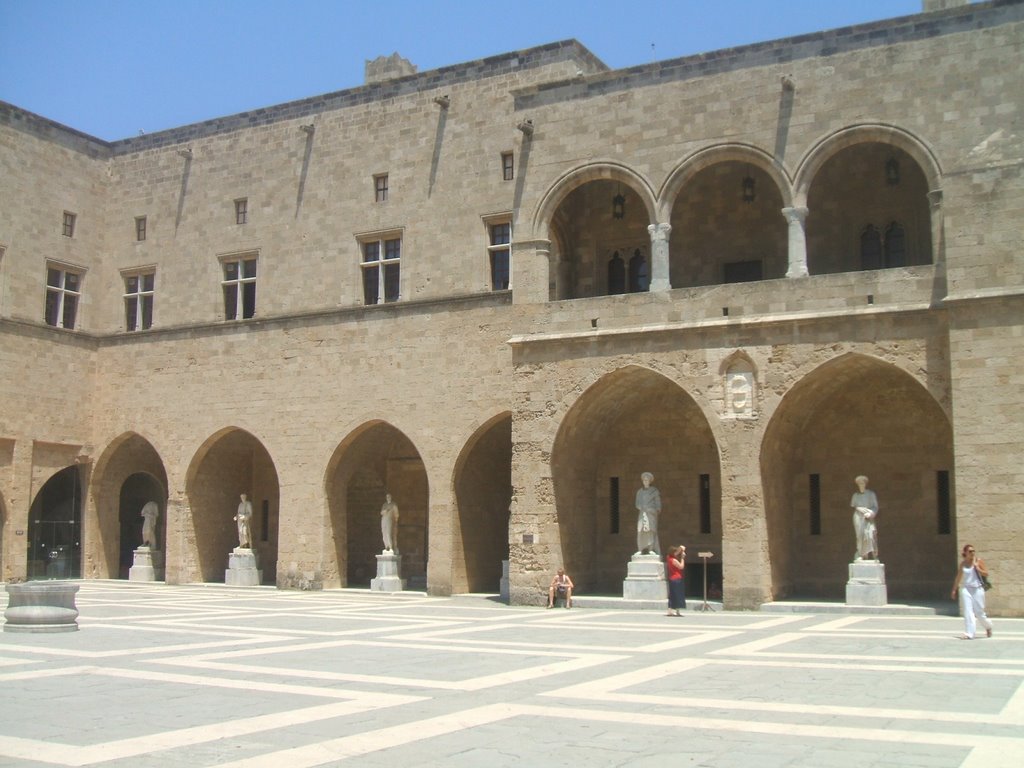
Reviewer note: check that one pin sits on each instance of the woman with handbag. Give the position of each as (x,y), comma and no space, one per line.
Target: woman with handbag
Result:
(971,582)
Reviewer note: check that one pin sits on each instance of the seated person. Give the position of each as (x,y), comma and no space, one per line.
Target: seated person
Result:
(561,586)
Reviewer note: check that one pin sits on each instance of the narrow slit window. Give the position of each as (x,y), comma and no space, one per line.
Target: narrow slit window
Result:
(705,503)
(613,504)
(814,499)
(943,502)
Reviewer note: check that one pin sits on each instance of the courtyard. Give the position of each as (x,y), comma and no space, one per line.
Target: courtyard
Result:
(208,675)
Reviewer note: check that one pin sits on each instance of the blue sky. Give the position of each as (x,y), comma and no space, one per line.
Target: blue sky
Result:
(111,68)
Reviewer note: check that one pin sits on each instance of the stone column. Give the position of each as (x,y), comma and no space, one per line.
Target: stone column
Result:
(659,256)
(797,242)
(935,201)
(530,271)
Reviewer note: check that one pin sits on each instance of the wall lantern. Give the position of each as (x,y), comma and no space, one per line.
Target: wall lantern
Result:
(748,189)
(892,171)
(618,206)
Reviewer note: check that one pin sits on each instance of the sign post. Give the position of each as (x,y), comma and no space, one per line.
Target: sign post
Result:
(705,606)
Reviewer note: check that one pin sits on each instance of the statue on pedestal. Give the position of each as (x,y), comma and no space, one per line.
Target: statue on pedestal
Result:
(865,511)
(648,506)
(389,524)
(149,514)
(243,518)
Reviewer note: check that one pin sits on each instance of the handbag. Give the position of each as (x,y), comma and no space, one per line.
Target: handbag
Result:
(985,583)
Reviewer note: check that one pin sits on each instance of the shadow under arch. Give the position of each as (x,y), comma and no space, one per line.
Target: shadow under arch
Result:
(482,489)
(229,463)
(113,526)
(374,459)
(577,177)
(864,133)
(632,420)
(858,415)
(704,158)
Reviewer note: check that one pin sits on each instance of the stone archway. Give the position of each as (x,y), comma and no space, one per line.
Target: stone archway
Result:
(728,227)
(375,460)
(597,216)
(483,493)
(228,464)
(54,547)
(113,514)
(631,421)
(869,208)
(138,490)
(851,416)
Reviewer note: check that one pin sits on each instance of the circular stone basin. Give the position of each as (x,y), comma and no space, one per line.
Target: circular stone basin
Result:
(41,607)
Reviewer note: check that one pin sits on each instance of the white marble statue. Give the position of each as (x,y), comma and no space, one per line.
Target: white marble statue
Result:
(865,512)
(389,524)
(149,514)
(648,506)
(244,517)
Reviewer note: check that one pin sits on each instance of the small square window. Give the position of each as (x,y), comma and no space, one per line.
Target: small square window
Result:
(241,210)
(380,188)
(69,224)
(140,228)
(507,166)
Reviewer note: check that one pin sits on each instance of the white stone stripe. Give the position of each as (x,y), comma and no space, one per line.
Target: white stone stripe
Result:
(360,744)
(150,650)
(929,665)
(951,738)
(76,755)
(471,684)
(1000,752)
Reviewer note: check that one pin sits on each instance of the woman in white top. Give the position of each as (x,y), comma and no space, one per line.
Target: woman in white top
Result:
(972,593)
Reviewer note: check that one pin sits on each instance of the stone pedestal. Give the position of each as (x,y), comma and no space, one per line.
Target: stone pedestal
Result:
(503,584)
(867,584)
(645,578)
(147,565)
(243,569)
(389,573)
(41,607)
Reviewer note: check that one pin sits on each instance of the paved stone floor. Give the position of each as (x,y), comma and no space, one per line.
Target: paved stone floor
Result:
(219,676)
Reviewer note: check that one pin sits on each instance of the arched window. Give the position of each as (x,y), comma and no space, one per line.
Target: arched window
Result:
(616,274)
(870,248)
(638,279)
(895,246)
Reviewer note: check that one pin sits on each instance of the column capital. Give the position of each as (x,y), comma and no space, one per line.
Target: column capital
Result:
(935,197)
(795,214)
(659,231)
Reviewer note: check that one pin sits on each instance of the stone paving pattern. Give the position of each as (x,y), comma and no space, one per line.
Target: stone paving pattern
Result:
(219,676)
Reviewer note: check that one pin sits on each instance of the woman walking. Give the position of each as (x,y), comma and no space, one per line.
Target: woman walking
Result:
(675,564)
(972,593)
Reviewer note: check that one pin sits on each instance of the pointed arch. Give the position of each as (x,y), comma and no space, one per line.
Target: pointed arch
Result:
(230,462)
(375,459)
(629,421)
(856,414)
(482,490)
(112,529)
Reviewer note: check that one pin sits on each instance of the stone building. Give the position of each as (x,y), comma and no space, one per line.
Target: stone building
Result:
(501,290)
